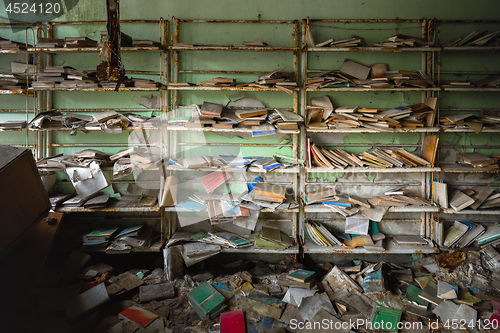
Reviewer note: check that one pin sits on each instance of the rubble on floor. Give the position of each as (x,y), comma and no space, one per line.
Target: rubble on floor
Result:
(450,292)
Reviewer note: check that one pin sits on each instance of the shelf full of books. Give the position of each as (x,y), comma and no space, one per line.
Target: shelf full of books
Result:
(368,153)
(466,188)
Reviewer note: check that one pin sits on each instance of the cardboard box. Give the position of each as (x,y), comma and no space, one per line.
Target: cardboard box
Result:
(23,199)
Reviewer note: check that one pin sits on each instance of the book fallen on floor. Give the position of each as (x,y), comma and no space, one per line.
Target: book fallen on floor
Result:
(233,321)
(138,315)
(387,319)
(301,275)
(206,301)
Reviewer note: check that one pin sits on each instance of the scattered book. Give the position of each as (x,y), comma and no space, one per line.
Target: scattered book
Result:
(301,275)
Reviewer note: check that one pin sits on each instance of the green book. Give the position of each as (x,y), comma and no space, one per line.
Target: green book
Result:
(386,319)
(206,300)
(301,275)
(492,234)
(412,294)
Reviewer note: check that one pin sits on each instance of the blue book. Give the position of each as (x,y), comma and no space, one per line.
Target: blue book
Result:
(337,203)
(192,205)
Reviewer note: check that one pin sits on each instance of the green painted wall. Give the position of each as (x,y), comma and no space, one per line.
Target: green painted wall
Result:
(251,10)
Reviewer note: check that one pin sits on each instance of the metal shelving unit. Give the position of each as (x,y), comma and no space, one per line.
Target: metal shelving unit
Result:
(353,180)
(452,101)
(53,137)
(29,141)
(181,139)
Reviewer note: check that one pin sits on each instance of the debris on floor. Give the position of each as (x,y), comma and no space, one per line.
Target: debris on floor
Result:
(437,293)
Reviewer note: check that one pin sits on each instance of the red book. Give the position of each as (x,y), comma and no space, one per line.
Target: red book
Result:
(138,315)
(232,322)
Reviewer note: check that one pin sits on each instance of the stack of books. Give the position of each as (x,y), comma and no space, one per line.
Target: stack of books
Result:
(478,160)
(321,195)
(6,44)
(99,237)
(75,42)
(398,197)
(14,81)
(476,38)
(266,164)
(226,239)
(462,233)
(276,79)
(206,301)
(272,239)
(403,41)
(375,157)
(64,77)
(320,235)
(268,194)
(49,42)
(490,237)
(219,82)
(354,41)
(138,236)
(323,115)
(290,279)
(353,74)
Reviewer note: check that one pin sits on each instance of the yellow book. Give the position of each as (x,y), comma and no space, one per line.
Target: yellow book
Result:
(373,162)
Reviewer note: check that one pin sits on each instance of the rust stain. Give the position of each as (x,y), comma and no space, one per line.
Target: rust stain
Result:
(449,261)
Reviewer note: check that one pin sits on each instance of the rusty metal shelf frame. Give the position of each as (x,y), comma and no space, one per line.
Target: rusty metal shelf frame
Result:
(37,140)
(436,28)
(427,66)
(369,130)
(401,209)
(310,247)
(94,89)
(372,170)
(375,89)
(472,212)
(93,49)
(174,97)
